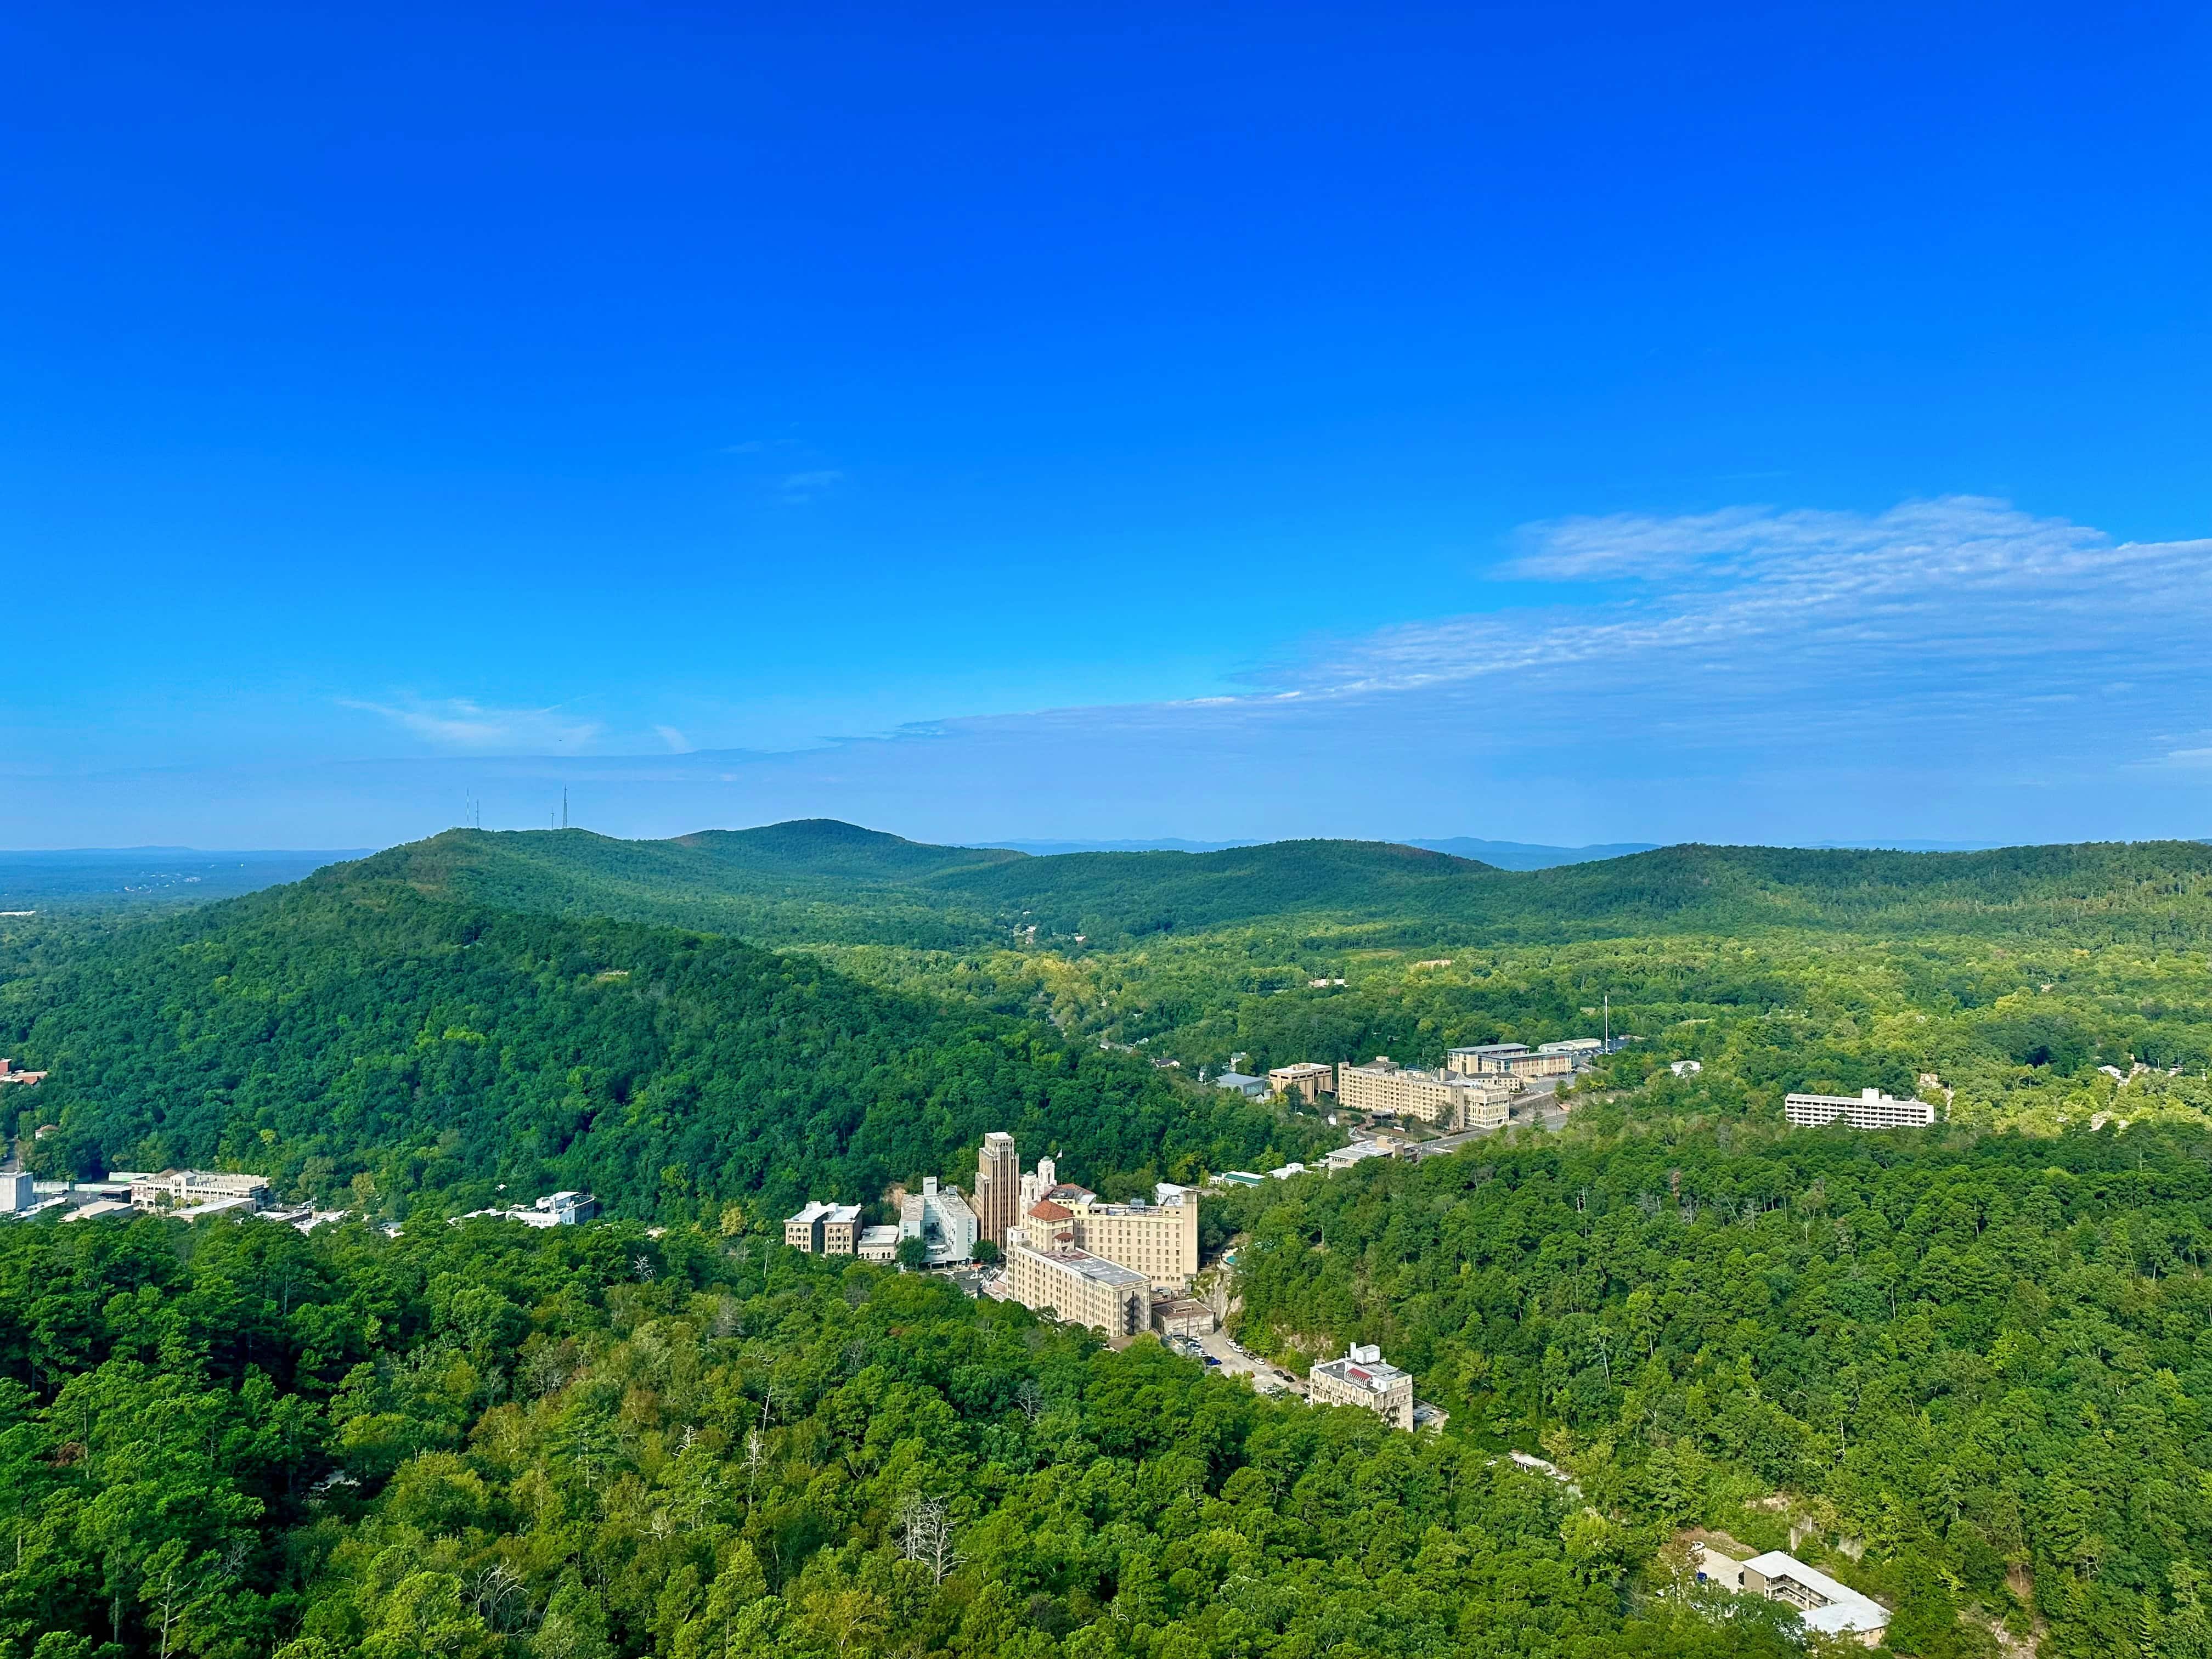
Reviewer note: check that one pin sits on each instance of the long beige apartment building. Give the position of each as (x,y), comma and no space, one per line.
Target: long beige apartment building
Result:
(1159,1240)
(1447,1099)
(1076,1285)
(1512,1060)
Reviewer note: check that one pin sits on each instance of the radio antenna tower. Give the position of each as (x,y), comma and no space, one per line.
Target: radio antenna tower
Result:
(564,806)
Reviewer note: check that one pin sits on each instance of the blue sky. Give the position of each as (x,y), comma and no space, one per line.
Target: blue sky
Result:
(1544,423)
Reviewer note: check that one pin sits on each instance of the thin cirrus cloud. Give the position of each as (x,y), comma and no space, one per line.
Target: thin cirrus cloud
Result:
(1801,620)
(798,489)
(462,725)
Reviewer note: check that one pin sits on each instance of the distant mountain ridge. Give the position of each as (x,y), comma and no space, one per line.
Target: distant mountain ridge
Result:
(1498,854)
(823,881)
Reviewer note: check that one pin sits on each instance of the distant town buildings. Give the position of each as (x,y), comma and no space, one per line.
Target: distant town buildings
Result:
(822,1229)
(1450,1100)
(1825,1605)
(1307,1079)
(1869,1109)
(11,1072)
(941,1219)
(1363,1378)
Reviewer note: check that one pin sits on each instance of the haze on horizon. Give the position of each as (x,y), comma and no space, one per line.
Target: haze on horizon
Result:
(1730,428)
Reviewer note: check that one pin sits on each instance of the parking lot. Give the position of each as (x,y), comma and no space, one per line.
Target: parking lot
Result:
(1267,1376)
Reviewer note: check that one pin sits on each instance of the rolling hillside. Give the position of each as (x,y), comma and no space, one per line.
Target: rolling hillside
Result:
(352,1034)
(818,881)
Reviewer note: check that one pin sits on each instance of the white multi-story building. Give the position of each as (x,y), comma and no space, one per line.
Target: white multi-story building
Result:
(1869,1109)
(17,1193)
(1074,1284)
(1447,1099)
(941,1219)
(878,1244)
(1363,1378)
(186,1189)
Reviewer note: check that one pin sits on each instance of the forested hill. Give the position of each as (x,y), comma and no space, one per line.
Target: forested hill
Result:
(360,1040)
(821,881)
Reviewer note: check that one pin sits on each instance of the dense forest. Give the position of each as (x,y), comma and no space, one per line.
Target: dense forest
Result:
(361,1043)
(1968,1370)
(483,1443)
(1986,1362)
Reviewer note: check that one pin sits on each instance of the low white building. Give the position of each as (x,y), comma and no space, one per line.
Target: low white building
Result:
(555,1210)
(1825,1604)
(879,1244)
(1869,1109)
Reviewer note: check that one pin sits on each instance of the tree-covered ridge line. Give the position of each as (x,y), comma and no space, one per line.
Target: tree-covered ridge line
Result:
(1987,1360)
(485,1443)
(826,882)
(363,1044)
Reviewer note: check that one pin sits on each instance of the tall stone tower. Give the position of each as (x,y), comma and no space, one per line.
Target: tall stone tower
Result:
(998,1188)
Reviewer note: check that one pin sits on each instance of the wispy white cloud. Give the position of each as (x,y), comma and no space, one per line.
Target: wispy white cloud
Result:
(459,723)
(677,742)
(798,489)
(1930,599)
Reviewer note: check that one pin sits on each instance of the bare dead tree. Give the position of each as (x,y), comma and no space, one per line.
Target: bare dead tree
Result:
(499,1598)
(926,1535)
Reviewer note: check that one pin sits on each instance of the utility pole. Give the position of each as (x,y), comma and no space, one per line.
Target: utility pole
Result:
(1609,1022)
